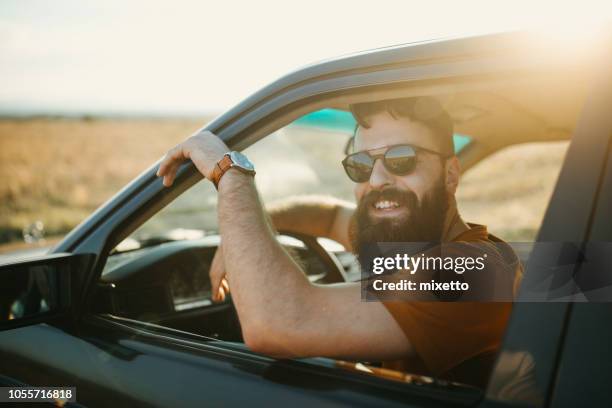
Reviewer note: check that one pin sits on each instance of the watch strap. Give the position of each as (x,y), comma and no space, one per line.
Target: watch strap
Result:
(221,167)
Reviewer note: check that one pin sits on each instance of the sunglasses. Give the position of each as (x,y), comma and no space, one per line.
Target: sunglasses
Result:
(399,160)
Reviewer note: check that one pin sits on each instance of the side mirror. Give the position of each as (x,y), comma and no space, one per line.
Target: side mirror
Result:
(38,290)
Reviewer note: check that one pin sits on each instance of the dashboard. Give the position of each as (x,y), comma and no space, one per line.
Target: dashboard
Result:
(154,282)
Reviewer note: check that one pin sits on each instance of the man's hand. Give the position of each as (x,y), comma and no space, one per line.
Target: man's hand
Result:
(204,149)
(218,280)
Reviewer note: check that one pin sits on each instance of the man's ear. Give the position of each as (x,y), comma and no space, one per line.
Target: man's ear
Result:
(453,173)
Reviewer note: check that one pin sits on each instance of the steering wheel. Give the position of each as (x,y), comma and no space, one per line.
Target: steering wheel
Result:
(335,270)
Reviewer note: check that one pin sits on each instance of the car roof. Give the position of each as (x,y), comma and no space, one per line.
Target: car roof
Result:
(507,43)
(540,100)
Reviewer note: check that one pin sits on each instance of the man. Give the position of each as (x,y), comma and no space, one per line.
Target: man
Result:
(406,176)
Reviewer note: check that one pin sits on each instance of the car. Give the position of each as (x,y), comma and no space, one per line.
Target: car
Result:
(121,308)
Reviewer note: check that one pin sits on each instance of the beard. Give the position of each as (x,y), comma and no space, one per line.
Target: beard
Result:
(422,222)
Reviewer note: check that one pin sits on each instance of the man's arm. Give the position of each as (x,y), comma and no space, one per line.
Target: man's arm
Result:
(318,216)
(280,311)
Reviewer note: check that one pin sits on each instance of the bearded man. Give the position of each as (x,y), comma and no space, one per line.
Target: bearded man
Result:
(406,175)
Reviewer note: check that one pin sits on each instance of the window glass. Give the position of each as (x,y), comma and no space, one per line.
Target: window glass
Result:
(301,160)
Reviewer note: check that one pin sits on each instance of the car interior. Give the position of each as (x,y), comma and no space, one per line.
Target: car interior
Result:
(158,271)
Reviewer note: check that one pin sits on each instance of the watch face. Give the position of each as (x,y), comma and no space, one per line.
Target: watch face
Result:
(241,160)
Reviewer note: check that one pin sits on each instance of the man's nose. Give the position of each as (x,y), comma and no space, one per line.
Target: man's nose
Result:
(380,177)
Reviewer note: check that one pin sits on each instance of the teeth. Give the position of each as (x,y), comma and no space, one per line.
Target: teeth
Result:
(383,205)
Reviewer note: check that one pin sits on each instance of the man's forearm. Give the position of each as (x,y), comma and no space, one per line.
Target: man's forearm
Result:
(280,311)
(266,283)
(317,216)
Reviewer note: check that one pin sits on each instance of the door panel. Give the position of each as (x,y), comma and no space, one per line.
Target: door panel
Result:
(536,330)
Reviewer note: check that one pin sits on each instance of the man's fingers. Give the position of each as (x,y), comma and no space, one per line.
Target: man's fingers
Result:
(170,174)
(174,156)
(204,149)
(217,273)
(220,295)
(222,292)
(165,162)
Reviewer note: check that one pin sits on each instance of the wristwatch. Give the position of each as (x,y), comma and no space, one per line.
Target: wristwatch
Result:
(232,160)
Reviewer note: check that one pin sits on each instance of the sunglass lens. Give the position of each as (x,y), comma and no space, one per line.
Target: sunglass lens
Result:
(400,160)
(358,167)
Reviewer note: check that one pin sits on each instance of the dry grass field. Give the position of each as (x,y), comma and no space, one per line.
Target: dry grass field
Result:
(509,190)
(59,170)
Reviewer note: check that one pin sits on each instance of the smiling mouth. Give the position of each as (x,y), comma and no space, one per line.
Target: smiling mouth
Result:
(385,205)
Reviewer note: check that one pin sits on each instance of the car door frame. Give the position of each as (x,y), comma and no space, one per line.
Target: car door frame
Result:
(581,362)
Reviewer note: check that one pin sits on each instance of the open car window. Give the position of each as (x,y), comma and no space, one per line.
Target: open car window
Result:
(509,190)
(161,270)
(299,159)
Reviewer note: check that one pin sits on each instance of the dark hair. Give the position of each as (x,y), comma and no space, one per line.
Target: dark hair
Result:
(426,110)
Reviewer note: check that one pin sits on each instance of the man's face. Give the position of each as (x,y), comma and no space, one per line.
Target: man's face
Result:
(408,208)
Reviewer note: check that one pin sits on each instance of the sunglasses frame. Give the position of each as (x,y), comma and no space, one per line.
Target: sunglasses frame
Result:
(382,156)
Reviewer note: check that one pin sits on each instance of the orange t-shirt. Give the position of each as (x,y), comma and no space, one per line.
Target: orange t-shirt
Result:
(446,334)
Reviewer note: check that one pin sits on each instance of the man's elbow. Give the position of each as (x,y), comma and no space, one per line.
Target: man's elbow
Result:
(264,340)
(252,337)
(280,333)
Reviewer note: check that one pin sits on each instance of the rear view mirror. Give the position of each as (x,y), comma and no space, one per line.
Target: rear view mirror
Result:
(34,290)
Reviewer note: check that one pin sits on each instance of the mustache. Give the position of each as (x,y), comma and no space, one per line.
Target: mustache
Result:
(402,197)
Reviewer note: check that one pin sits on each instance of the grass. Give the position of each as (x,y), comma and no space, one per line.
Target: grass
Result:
(59,170)
(509,191)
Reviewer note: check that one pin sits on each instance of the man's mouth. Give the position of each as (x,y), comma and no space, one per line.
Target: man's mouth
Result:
(387,208)
(391,203)
(385,205)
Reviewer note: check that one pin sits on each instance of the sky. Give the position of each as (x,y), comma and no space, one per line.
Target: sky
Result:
(193,57)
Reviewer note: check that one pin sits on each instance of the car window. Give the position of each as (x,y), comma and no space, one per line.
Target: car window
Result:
(295,160)
(507,189)
(302,158)
(299,160)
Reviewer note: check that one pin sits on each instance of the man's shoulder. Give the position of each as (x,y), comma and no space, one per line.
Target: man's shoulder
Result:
(500,254)
(479,236)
